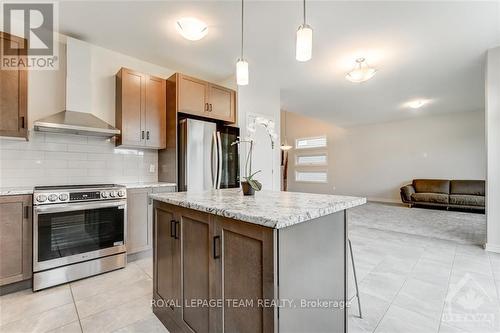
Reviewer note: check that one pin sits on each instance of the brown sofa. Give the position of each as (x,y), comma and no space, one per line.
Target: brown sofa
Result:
(462,194)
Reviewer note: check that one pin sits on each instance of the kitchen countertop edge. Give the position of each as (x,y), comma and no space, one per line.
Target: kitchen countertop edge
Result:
(276,217)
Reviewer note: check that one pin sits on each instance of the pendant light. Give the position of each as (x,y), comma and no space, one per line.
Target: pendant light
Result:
(361,72)
(285,146)
(303,47)
(242,64)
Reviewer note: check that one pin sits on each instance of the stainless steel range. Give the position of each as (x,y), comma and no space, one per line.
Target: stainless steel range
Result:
(78,231)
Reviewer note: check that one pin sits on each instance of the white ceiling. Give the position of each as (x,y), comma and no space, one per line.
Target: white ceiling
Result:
(433,50)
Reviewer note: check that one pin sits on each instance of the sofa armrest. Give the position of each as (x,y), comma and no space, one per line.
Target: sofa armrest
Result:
(406,192)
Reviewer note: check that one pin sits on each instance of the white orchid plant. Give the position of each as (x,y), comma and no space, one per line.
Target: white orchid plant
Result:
(269,125)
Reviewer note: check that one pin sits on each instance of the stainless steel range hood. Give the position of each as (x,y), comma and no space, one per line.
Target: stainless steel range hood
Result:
(78,98)
(73,122)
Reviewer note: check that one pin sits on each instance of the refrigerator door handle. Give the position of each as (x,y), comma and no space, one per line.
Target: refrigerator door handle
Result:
(213,164)
(219,164)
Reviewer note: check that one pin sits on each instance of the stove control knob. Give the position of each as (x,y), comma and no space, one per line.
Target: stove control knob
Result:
(112,194)
(53,197)
(121,193)
(63,196)
(104,194)
(41,198)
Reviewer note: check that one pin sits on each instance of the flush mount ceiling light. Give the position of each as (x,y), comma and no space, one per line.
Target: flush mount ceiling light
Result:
(361,72)
(191,28)
(303,49)
(418,103)
(242,64)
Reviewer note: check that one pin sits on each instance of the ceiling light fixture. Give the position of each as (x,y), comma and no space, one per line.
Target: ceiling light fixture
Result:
(303,46)
(418,103)
(191,28)
(361,72)
(242,64)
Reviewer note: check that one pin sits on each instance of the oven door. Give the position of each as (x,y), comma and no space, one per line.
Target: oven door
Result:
(69,233)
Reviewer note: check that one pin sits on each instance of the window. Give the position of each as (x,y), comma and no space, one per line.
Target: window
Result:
(311,176)
(315,142)
(318,159)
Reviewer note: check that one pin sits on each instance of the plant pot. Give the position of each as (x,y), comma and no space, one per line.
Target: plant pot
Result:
(247,189)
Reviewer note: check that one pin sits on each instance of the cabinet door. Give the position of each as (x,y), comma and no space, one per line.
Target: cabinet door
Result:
(131,106)
(221,103)
(197,263)
(192,96)
(156,113)
(244,272)
(13,93)
(15,238)
(167,256)
(138,220)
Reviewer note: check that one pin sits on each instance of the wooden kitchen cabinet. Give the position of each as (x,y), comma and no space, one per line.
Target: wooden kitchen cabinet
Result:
(14,94)
(15,238)
(218,258)
(140,110)
(244,271)
(205,99)
(166,258)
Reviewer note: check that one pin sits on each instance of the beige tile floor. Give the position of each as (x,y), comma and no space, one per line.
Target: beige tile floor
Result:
(118,301)
(420,284)
(408,284)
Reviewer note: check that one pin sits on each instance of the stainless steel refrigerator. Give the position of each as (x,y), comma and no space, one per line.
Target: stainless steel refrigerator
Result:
(207,160)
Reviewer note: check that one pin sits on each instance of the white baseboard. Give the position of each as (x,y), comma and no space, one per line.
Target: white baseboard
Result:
(492,247)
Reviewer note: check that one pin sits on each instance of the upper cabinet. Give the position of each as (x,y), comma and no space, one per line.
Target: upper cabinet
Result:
(140,110)
(14,94)
(205,99)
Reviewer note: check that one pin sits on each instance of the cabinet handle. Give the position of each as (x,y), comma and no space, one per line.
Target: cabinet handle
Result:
(176,229)
(206,106)
(142,135)
(26,212)
(147,135)
(216,240)
(172,228)
(210,110)
(23,125)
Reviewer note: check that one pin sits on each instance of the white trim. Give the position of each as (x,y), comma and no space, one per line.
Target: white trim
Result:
(492,247)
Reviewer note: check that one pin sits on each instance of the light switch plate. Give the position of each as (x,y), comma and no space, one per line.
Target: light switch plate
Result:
(152,168)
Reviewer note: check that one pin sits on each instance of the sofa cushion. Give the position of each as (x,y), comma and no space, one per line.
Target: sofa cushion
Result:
(467,200)
(470,187)
(432,186)
(430,197)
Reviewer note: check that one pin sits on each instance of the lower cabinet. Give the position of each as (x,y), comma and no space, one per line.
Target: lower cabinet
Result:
(15,238)
(140,217)
(139,220)
(201,259)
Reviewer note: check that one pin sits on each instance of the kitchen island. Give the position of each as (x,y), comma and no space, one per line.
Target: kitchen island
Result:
(276,261)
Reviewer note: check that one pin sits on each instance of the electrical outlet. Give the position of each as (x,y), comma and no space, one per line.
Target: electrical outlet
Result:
(152,168)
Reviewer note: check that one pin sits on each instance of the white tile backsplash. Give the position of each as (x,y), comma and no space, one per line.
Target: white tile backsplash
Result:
(52,159)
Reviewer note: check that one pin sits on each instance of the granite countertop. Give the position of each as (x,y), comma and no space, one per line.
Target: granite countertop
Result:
(149,184)
(15,190)
(267,208)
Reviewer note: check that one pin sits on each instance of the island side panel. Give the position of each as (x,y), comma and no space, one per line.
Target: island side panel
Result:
(312,260)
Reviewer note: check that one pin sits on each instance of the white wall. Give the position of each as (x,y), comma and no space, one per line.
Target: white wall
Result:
(261,97)
(376,160)
(493,149)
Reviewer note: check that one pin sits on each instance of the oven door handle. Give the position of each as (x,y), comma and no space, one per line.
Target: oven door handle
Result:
(78,206)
